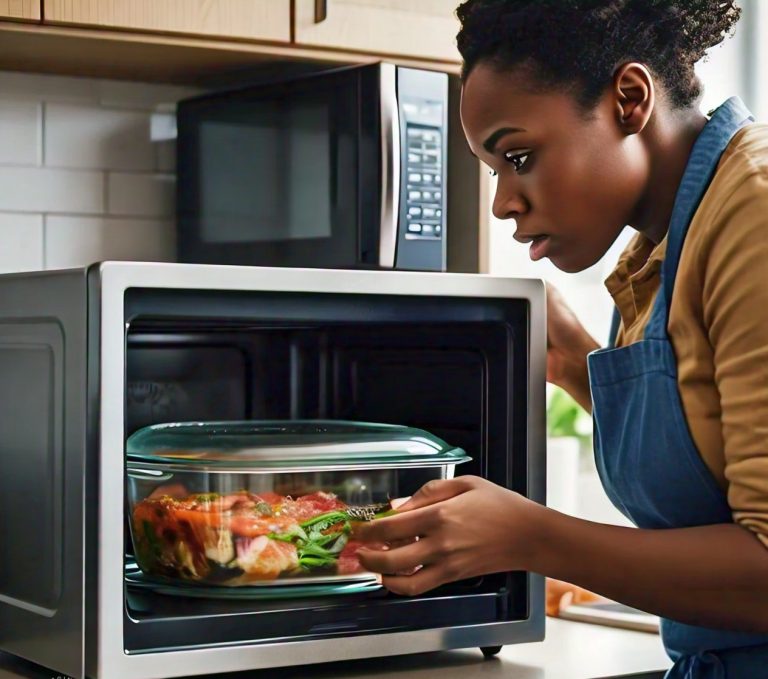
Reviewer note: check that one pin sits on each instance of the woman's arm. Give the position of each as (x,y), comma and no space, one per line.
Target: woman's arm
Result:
(712,576)
(568,344)
(715,576)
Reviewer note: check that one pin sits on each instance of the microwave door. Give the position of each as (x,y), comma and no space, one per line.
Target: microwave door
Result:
(269,176)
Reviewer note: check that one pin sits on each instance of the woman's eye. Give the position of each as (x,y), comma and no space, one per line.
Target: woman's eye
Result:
(517,160)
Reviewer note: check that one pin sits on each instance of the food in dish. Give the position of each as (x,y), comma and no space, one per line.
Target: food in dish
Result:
(243,538)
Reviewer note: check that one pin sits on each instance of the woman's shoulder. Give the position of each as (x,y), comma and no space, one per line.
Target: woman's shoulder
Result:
(741,176)
(745,155)
(734,208)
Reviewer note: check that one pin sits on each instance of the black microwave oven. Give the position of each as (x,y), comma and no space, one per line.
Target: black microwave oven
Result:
(338,169)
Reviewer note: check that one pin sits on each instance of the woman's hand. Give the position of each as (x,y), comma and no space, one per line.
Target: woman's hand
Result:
(568,344)
(451,530)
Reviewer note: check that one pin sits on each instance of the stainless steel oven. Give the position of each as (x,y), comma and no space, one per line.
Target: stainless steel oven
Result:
(90,356)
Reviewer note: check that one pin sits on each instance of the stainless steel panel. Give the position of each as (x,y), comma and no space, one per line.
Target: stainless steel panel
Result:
(42,464)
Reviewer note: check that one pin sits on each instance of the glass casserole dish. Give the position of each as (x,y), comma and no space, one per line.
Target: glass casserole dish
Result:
(269,503)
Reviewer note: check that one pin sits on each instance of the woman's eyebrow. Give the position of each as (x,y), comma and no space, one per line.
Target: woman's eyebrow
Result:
(490,143)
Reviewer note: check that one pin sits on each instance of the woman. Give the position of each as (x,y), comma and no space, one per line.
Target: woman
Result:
(587,112)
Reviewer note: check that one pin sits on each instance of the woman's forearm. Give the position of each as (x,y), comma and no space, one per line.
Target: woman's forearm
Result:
(713,576)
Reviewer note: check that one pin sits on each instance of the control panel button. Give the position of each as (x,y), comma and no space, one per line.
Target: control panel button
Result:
(427,229)
(438,229)
(429,212)
(414,228)
(414,211)
(414,177)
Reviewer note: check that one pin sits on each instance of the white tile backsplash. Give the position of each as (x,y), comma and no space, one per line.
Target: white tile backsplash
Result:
(21,242)
(143,195)
(79,241)
(41,189)
(89,137)
(144,96)
(36,87)
(81,179)
(20,132)
(165,156)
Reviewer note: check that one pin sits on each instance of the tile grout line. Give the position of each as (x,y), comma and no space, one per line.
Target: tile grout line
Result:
(43,117)
(45,241)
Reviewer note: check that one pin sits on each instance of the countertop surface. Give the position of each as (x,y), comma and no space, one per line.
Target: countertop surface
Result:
(572,650)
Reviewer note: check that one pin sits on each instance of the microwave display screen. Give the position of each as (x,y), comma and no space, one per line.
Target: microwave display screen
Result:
(257,160)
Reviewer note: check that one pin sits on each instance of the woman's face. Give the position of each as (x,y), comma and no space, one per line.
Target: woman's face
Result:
(570,181)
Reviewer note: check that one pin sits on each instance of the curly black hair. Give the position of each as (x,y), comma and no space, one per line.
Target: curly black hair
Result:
(577,44)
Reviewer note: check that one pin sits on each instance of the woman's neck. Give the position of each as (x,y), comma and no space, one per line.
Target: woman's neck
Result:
(670,141)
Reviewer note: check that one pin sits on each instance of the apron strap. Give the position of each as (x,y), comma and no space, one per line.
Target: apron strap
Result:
(702,165)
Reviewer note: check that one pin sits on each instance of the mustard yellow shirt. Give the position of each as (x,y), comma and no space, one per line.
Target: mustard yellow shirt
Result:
(718,322)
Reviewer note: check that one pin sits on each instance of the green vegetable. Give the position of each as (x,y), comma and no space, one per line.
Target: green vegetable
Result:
(293,535)
(323,521)
(264,508)
(315,548)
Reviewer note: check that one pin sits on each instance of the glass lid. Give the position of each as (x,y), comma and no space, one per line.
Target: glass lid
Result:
(289,445)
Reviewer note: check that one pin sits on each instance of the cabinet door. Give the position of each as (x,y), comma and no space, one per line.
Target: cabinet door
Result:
(423,29)
(20,9)
(253,19)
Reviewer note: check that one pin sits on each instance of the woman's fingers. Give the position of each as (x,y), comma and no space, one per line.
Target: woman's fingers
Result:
(403,526)
(422,581)
(396,560)
(437,491)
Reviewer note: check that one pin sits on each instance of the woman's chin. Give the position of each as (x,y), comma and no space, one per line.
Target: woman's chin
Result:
(573,264)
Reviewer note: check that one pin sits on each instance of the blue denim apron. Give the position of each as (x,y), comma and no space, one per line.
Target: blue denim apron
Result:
(646,458)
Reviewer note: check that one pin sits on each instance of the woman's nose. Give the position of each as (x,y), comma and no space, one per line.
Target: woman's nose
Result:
(508,202)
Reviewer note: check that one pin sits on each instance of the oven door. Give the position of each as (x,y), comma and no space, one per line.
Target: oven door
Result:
(284,174)
(43,468)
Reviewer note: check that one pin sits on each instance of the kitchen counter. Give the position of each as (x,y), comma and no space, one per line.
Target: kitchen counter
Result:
(572,650)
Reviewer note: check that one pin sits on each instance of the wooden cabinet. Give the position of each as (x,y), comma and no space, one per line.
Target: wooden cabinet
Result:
(20,9)
(249,19)
(423,29)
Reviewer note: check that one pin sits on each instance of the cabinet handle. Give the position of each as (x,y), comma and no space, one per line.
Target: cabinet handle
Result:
(321,11)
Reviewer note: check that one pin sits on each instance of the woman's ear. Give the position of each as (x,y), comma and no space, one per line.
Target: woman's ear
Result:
(634,96)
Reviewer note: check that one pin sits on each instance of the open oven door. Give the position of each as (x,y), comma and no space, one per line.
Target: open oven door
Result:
(42,469)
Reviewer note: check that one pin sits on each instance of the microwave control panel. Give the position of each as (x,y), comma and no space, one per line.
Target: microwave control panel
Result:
(424,182)
(422,219)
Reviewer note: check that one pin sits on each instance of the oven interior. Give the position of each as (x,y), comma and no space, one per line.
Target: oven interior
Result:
(454,368)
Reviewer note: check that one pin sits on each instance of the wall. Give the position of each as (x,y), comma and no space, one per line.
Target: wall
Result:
(80,178)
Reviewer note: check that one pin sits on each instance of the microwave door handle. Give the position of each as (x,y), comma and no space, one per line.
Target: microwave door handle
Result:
(390,167)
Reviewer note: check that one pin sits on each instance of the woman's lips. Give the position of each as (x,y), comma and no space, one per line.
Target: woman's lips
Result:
(539,248)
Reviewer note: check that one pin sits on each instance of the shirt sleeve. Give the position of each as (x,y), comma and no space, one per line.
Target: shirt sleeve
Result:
(735,309)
